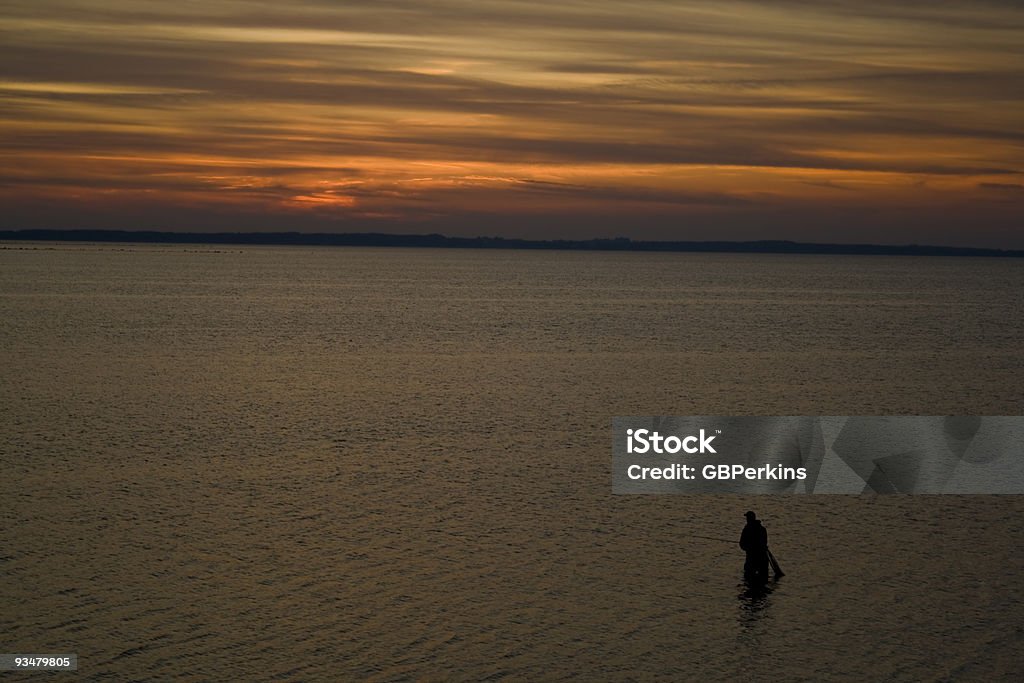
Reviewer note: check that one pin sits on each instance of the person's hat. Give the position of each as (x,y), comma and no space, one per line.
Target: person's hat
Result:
(749,514)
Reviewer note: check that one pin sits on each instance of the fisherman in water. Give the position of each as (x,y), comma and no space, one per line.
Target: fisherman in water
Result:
(754,540)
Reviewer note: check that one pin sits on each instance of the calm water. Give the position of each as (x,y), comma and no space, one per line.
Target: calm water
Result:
(284,463)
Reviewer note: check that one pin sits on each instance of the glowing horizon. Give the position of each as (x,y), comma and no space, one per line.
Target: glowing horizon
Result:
(844,122)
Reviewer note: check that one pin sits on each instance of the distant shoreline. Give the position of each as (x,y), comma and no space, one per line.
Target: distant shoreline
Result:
(442,241)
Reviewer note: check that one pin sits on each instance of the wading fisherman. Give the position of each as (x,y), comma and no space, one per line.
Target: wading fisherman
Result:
(754,540)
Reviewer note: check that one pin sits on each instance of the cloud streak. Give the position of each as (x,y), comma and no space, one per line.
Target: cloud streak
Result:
(706,120)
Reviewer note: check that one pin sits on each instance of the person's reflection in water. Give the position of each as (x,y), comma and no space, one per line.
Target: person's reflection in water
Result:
(754,598)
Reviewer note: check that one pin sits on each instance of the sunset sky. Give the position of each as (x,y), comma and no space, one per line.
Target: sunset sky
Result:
(831,121)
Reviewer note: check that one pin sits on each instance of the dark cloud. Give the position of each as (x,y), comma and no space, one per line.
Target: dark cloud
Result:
(1007,187)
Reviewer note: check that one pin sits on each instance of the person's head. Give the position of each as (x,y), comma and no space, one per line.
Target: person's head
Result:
(750,515)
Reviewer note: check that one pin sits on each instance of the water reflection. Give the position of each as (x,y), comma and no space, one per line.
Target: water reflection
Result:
(754,598)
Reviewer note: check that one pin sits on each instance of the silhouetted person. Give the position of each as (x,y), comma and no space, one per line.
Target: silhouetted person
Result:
(754,540)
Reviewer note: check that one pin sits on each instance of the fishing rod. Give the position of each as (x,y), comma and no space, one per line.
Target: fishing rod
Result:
(712,538)
(771,558)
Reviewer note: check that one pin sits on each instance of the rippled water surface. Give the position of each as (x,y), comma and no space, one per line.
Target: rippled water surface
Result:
(285,463)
